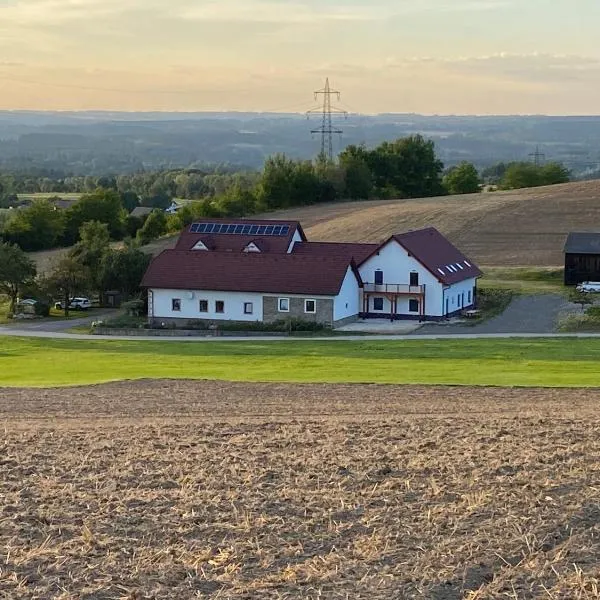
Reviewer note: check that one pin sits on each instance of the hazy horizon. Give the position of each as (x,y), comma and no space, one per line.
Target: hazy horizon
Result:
(431,57)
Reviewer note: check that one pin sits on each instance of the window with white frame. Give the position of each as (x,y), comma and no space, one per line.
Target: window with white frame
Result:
(203,306)
(176,304)
(310,306)
(219,306)
(413,305)
(248,308)
(283,304)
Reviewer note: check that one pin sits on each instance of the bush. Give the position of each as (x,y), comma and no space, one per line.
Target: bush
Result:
(134,308)
(125,322)
(593,311)
(42,308)
(493,301)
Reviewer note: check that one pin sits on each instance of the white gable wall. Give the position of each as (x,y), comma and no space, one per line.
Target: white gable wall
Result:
(296,238)
(234,305)
(397,265)
(347,302)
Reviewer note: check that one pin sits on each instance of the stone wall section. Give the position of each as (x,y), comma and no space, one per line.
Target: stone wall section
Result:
(323,315)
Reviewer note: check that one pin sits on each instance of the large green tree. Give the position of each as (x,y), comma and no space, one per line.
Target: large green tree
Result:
(123,270)
(67,278)
(154,226)
(36,227)
(16,271)
(93,244)
(103,205)
(462,179)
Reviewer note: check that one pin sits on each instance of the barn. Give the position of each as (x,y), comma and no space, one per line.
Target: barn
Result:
(582,258)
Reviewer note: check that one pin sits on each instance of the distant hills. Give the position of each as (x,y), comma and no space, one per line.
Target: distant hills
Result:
(96,143)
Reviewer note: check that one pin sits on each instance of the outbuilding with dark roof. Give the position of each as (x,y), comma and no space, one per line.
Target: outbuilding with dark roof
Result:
(582,258)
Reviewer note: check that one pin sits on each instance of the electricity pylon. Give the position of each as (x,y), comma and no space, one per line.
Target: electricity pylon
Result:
(327,110)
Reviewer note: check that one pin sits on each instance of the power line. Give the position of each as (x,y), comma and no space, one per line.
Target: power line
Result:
(326,130)
(537,156)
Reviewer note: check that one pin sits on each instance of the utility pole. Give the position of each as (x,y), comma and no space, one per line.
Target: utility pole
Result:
(326,130)
(537,156)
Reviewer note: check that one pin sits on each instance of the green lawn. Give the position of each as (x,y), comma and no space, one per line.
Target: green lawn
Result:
(531,362)
(524,280)
(4,306)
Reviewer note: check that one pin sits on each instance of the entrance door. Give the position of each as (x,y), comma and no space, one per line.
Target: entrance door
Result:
(447,306)
(378,277)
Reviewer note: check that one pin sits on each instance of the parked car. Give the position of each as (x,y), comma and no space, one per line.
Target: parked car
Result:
(78,303)
(589,286)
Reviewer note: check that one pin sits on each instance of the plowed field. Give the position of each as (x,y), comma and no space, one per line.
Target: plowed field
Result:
(177,490)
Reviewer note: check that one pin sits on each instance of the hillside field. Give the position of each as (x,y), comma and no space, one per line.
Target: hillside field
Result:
(177,490)
(496,229)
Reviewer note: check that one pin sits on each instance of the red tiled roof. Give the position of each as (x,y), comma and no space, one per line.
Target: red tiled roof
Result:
(236,243)
(438,255)
(358,252)
(243,272)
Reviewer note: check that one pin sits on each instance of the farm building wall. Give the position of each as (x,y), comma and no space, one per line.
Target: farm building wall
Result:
(459,295)
(297,309)
(189,305)
(397,265)
(347,303)
(581,267)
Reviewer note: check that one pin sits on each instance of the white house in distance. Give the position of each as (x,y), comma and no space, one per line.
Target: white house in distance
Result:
(255,270)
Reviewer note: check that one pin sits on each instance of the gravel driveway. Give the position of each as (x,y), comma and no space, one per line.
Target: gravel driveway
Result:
(525,314)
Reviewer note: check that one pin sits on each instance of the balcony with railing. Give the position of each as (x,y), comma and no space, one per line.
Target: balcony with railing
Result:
(394,288)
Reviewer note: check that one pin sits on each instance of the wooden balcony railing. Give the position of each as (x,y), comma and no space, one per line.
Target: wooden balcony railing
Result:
(394,288)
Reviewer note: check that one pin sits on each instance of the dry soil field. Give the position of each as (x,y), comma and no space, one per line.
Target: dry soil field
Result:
(176,490)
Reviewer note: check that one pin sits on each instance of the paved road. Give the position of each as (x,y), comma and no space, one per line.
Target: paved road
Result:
(56,325)
(526,317)
(32,333)
(525,314)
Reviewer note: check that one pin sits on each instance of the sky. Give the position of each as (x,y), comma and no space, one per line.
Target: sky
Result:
(421,56)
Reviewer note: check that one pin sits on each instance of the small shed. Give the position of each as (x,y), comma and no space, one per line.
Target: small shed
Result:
(141,211)
(582,258)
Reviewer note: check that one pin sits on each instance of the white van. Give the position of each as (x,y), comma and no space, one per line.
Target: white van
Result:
(589,286)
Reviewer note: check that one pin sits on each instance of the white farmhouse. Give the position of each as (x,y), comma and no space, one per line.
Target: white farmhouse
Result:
(253,270)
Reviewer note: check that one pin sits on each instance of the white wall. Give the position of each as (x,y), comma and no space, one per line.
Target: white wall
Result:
(397,265)
(234,305)
(296,238)
(347,302)
(454,295)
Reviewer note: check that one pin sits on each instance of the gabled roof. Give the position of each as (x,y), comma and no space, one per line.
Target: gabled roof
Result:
(583,243)
(437,254)
(141,211)
(222,242)
(248,272)
(355,251)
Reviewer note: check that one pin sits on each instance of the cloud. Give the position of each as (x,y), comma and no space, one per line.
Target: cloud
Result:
(49,12)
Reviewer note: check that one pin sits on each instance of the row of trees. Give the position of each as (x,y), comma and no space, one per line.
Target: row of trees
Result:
(41,225)
(406,168)
(92,266)
(517,175)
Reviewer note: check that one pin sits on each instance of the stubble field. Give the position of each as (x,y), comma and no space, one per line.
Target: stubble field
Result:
(176,490)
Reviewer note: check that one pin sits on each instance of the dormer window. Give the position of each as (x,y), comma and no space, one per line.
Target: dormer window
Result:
(199,245)
(251,247)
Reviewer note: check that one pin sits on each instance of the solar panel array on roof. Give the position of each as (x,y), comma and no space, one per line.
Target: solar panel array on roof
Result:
(239,229)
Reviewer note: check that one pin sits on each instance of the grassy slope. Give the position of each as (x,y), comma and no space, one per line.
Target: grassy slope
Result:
(561,362)
(517,228)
